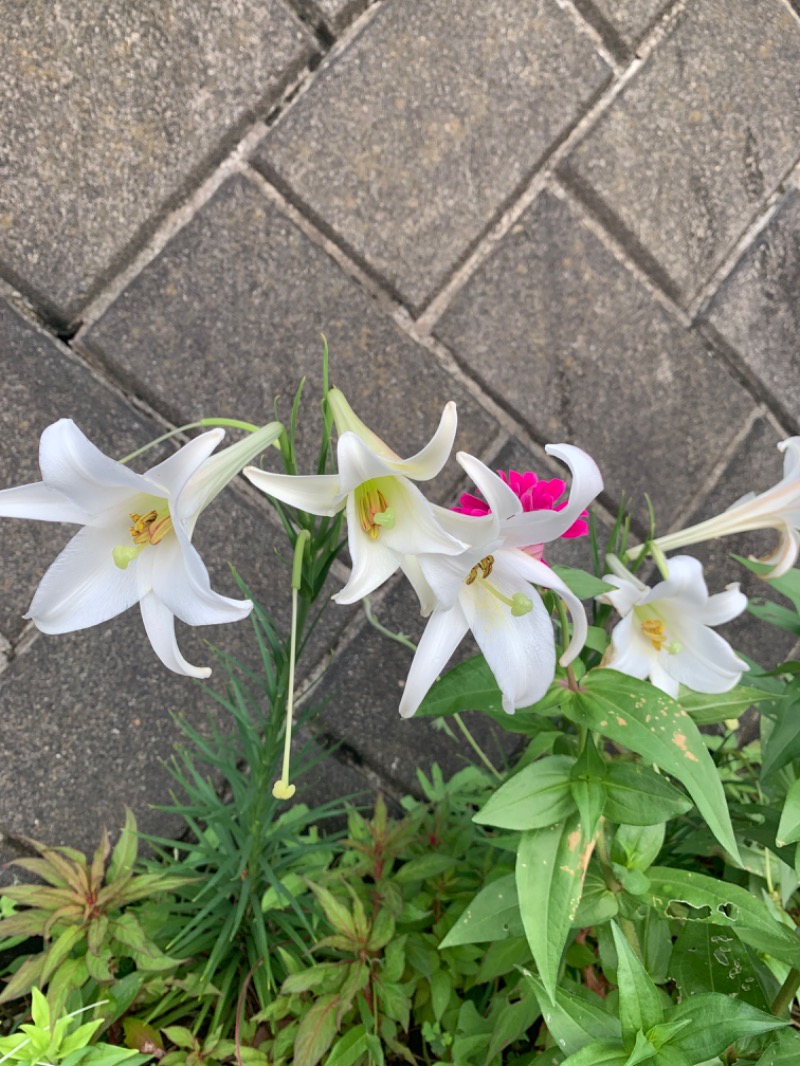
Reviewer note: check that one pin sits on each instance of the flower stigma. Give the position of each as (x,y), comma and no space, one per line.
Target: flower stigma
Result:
(373,510)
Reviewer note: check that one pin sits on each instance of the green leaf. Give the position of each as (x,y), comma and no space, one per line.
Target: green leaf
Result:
(783,745)
(585,586)
(471,686)
(511,1024)
(783,1050)
(637,795)
(586,785)
(718,1021)
(492,915)
(598,1053)
(705,959)
(336,912)
(636,846)
(441,988)
(708,709)
(789,825)
(352,1046)
(720,903)
(423,868)
(639,1000)
(316,1031)
(574,1021)
(647,721)
(551,864)
(598,902)
(537,796)
(123,856)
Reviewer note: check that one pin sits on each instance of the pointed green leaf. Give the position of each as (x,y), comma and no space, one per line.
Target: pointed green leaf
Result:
(598,1053)
(783,1050)
(586,785)
(551,864)
(642,1051)
(537,796)
(637,795)
(639,1000)
(706,959)
(574,1021)
(492,915)
(707,899)
(645,720)
(783,744)
(585,586)
(350,1049)
(316,1031)
(717,1022)
(598,902)
(636,846)
(710,708)
(789,826)
(124,854)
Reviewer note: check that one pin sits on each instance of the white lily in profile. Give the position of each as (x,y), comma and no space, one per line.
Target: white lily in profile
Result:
(388,519)
(664,633)
(489,588)
(135,545)
(778,508)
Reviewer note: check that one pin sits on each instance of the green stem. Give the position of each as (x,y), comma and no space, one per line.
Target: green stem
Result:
(204,423)
(783,1001)
(283,789)
(390,633)
(476,747)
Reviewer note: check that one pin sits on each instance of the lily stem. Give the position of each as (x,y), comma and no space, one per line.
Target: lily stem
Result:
(204,423)
(783,1001)
(476,747)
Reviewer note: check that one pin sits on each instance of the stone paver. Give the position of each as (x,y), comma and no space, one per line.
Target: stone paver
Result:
(757,309)
(622,23)
(591,358)
(113,110)
(409,144)
(335,15)
(365,685)
(683,161)
(242,297)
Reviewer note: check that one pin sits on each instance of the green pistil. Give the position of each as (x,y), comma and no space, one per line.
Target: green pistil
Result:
(519,603)
(385,518)
(126,553)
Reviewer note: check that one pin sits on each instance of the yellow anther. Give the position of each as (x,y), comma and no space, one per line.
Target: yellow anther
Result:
(150,528)
(373,510)
(484,566)
(653,629)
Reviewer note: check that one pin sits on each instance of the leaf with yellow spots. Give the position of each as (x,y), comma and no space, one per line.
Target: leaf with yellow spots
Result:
(645,720)
(551,866)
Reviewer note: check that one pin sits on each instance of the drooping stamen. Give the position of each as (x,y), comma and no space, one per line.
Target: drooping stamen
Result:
(653,629)
(150,528)
(519,603)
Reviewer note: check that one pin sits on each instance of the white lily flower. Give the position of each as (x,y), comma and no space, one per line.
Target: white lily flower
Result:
(664,633)
(489,588)
(778,508)
(135,546)
(388,519)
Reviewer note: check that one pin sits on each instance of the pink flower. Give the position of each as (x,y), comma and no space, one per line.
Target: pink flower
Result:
(534,495)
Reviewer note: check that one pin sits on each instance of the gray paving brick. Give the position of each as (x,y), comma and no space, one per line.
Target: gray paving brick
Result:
(684,159)
(589,357)
(335,15)
(240,297)
(365,684)
(112,111)
(622,23)
(412,141)
(757,309)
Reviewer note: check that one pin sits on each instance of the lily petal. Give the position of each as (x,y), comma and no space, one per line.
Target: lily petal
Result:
(442,635)
(159,624)
(539,573)
(372,561)
(430,460)
(539,527)
(39,501)
(174,472)
(316,493)
(83,587)
(502,500)
(178,577)
(71,464)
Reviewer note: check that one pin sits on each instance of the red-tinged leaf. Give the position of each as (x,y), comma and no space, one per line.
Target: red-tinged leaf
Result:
(26,923)
(142,1037)
(43,869)
(41,896)
(24,979)
(61,950)
(551,866)
(72,873)
(71,915)
(316,1032)
(97,871)
(337,913)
